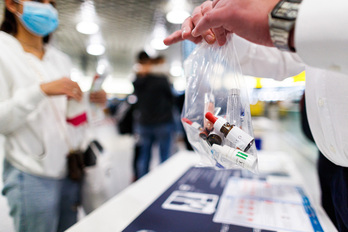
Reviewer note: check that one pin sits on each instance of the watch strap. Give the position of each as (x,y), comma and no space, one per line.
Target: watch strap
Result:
(281,22)
(280,33)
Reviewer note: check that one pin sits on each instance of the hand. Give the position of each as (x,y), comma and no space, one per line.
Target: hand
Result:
(63,86)
(189,24)
(246,18)
(98,97)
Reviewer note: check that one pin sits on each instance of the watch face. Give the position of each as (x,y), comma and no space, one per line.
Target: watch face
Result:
(286,10)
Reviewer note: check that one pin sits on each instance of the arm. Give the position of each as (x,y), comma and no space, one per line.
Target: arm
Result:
(321,38)
(98,97)
(17,103)
(246,18)
(15,109)
(268,62)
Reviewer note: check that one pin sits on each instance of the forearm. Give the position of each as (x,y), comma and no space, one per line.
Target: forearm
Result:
(15,110)
(262,61)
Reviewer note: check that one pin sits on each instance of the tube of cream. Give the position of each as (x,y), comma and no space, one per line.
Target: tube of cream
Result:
(203,133)
(194,124)
(237,157)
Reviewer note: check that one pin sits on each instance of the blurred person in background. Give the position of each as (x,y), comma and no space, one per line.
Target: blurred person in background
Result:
(154,110)
(34,88)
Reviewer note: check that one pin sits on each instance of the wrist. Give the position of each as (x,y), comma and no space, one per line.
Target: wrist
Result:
(282,21)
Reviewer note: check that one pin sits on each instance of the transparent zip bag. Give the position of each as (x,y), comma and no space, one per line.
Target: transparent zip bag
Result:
(216,112)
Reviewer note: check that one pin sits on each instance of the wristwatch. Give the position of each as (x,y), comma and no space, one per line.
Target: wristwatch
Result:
(281,21)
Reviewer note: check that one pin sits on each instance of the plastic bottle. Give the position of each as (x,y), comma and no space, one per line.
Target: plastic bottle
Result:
(234,107)
(237,157)
(203,133)
(209,106)
(232,133)
(194,124)
(214,138)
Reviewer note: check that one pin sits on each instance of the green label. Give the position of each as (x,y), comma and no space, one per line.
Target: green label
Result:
(242,154)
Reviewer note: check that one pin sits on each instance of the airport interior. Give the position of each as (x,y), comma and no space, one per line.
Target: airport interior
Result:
(104,38)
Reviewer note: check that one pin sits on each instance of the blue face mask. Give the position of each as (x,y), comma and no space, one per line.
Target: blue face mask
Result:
(39,18)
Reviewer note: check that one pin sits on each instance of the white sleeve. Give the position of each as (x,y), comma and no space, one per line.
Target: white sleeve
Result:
(269,62)
(16,103)
(321,35)
(15,109)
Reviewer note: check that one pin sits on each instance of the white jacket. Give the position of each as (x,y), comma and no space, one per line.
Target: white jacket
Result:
(326,94)
(33,124)
(321,35)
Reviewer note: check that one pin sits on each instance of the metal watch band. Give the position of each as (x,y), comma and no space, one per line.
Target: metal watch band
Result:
(281,21)
(280,31)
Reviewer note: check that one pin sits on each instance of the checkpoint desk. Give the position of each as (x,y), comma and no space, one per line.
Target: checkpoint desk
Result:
(176,196)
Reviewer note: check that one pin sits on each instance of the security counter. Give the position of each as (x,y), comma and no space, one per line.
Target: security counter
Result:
(177,196)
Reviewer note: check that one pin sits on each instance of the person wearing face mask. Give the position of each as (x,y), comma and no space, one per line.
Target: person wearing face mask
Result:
(34,90)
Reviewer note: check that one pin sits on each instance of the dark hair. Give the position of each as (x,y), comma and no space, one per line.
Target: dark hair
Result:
(9,25)
(143,57)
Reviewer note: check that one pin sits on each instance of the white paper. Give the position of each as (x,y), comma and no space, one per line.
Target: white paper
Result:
(258,204)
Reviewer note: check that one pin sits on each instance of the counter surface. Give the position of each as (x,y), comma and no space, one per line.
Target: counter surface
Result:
(121,210)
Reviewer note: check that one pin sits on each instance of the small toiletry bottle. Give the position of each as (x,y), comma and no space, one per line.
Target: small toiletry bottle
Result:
(234,107)
(214,138)
(194,124)
(237,157)
(203,133)
(233,133)
(76,113)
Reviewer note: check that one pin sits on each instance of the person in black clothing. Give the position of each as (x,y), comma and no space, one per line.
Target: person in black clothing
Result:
(153,111)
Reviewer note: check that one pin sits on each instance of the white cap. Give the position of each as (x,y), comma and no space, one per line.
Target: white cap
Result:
(218,148)
(219,123)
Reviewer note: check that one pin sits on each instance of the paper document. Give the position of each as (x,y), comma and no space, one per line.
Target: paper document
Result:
(259,204)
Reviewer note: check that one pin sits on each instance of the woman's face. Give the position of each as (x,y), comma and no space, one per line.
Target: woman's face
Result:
(36,16)
(19,4)
(20,9)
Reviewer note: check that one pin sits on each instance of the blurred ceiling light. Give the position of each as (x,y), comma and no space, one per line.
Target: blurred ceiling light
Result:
(95,49)
(179,84)
(159,32)
(88,20)
(177,16)
(87,28)
(101,69)
(114,85)
(176,69)
(103,66)
(157,43)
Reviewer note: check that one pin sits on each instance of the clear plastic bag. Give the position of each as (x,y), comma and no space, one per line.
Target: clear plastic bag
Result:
(216,113)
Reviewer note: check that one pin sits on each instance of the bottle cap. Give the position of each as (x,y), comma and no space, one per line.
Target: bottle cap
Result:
(210,117)
(213,139)
(218,148)
(188,121)
(204,134)
(219,123)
